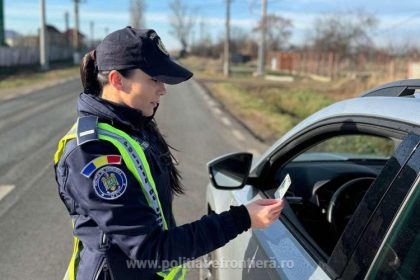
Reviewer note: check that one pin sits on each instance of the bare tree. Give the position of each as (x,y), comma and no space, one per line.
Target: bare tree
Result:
(344,34)
(182,22)
(407,47)
(239,38)
(278,31)
(137,8)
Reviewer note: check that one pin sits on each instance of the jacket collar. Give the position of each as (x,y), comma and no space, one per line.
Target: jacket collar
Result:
(116,114)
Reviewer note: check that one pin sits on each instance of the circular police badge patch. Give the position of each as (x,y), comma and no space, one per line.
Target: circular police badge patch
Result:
(109,182)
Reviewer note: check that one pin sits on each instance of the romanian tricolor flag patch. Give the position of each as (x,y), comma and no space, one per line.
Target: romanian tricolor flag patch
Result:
(98,162)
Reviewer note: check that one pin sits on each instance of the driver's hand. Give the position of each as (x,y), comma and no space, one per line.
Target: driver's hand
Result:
(264,212)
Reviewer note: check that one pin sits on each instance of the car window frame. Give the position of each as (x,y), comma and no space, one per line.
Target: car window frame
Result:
(320,131)
(384,214)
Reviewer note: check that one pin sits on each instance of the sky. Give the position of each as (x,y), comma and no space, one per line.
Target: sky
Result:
(399,21)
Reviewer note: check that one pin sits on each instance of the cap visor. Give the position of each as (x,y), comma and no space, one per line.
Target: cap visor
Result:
(170,72)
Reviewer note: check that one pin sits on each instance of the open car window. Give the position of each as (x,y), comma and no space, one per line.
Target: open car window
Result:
(352,187)
(350,147)
(328,181)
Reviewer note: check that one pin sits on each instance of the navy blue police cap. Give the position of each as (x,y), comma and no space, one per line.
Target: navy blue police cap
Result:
(131,48)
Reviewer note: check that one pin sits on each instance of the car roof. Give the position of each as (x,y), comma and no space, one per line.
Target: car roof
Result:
(402,109)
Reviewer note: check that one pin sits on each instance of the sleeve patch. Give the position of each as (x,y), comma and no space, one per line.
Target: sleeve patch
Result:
(99,162)
(110,182)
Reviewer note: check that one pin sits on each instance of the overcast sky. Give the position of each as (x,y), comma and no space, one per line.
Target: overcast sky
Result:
(399,21)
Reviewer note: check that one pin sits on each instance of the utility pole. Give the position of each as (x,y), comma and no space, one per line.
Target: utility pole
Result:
(66,21)
(201,31)
(43,45)
(2,36)
(226,61)
(66,28)
(136,10)
(92,37)
(262,45)
(76,43)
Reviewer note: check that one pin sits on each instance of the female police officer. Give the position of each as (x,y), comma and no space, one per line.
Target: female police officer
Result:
(116,175)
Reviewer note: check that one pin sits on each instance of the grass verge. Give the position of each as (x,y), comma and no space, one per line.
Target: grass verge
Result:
(269,108)
(22,79)
(266,108)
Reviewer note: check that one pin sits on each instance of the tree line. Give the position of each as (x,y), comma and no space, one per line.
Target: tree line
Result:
(346,34)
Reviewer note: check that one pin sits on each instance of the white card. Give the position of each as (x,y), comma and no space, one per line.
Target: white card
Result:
(284,186)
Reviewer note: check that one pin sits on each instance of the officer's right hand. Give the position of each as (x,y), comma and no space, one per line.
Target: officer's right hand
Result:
(264,212)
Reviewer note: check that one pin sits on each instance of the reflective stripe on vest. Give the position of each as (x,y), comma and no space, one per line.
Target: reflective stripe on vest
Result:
(71,134)
(136,162)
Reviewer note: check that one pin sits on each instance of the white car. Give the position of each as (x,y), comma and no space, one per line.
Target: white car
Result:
(353,206)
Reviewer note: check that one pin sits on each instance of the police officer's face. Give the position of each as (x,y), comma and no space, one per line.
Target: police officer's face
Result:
(142,92)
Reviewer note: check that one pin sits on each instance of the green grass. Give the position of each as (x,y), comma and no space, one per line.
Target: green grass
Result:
(269,109)
(298,103)
(253,111)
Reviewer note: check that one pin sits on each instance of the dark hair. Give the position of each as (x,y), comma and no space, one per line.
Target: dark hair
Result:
(93,82)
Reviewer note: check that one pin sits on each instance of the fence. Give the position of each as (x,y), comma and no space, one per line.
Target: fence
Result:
(30,55)
(378,66)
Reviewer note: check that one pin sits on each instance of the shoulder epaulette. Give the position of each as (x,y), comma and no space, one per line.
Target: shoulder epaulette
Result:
(87,129)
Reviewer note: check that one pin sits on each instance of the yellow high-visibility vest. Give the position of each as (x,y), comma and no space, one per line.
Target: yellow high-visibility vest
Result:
(136,162)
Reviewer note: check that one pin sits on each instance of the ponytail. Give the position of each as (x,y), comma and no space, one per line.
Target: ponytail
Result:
(89,74)
(93,81)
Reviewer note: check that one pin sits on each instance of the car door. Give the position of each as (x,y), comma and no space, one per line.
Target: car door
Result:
(263,254)
(282,250)
(389,246)
(338,263)
(398,256)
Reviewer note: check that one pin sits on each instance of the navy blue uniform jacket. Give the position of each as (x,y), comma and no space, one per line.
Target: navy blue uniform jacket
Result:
(115,231)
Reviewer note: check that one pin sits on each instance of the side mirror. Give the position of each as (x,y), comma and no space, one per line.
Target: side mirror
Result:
(230,171)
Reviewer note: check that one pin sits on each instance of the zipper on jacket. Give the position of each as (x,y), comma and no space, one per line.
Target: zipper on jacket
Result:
(107,273)
(100,269)
(105,270)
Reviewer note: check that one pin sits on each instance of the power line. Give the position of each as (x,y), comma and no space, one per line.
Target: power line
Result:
(389,28)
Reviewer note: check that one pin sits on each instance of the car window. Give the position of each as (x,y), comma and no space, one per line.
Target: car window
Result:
(350,146)
(398,257)
(366,231)
(328,182)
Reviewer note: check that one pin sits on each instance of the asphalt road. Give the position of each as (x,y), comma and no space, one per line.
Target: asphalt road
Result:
(35,230)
